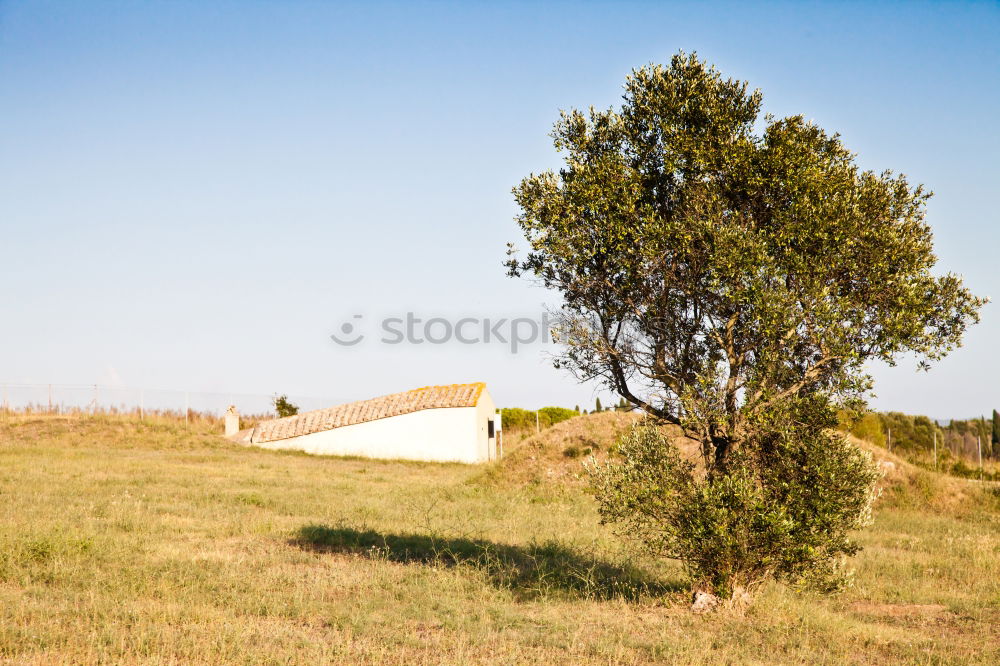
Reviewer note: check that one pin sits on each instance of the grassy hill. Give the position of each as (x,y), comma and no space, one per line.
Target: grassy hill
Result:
(152,542)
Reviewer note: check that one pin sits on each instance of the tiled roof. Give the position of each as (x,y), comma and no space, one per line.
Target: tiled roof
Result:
(429,397)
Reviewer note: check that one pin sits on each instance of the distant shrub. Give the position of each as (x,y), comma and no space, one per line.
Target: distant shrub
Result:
(283,407)
(959,468)
(549,416)
(515,418)
(867,427)
(574,451)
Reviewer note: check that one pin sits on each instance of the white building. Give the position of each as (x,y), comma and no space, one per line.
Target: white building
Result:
(453,423)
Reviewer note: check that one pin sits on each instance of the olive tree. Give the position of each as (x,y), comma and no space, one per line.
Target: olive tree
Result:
(730,272)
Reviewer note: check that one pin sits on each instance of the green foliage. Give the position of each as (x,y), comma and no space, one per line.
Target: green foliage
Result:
(515,418)
(785,510)
(995,432)
(909,433)
(550,416)
(734,274)
(597,405)
(913,436)
(714,263)
(867,426)
(283,407)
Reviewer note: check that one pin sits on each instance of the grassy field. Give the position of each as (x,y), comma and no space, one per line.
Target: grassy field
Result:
(155,543)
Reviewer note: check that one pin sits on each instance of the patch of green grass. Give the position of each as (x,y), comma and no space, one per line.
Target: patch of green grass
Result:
(126,542)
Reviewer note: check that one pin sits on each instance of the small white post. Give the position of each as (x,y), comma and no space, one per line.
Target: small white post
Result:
(232,421)
(97,398)
(979,445)
(499,433)
(538,428)
(890,440)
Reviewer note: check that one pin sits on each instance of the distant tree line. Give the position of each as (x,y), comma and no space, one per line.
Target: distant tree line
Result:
(516,418)
(913,438)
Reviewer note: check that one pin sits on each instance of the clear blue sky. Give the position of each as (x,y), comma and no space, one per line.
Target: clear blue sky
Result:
(194,195)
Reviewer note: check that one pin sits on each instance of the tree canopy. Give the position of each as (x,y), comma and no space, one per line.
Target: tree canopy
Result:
(716,263)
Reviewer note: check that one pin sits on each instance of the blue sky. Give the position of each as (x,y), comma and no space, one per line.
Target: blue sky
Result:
(194,195)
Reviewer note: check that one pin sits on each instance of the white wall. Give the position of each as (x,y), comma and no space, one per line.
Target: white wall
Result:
(437,435)
(485,410)
(444,434)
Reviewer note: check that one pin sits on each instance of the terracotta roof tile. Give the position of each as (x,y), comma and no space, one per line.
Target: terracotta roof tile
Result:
(352,413)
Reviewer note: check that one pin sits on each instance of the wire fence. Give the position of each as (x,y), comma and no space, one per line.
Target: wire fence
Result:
(98,399)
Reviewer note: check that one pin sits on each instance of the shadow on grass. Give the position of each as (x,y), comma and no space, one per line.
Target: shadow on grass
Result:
(536,570)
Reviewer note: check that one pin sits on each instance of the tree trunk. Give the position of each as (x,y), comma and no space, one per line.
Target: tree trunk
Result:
(723,447)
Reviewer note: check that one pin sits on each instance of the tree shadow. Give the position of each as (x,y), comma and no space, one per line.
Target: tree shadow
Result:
(536,570)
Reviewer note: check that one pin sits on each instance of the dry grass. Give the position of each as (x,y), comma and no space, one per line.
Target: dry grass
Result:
(553,457)
(159,543)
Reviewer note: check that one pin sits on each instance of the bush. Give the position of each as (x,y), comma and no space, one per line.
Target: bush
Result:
(549,416)
(283,407)
(783,510)
(515,418)
(867,426)
(574,451)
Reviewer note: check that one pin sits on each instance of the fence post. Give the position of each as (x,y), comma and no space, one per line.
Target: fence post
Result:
(979,445)
(538,428)
(97,398)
